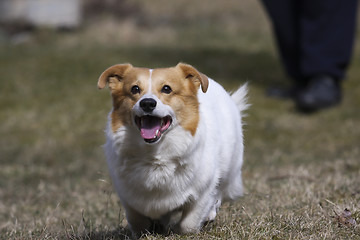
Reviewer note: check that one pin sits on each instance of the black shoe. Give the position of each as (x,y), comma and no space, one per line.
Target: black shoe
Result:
(321,92)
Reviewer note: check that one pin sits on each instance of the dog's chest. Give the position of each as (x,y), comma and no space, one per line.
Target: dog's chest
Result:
(152,173)
(152,166)
(155,186)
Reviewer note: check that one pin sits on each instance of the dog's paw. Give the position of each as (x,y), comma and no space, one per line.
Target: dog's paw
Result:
(213,212)
(211,216)
(186,228)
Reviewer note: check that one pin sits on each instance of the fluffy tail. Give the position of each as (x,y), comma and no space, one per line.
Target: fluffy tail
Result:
(240,98)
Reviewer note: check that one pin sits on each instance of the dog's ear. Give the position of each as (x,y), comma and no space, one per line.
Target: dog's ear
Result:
(113,75)
(197,77)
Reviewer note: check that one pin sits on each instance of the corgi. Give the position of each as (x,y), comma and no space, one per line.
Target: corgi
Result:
(174,145)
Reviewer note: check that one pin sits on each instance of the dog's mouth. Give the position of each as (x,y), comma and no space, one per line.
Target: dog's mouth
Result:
(151,127)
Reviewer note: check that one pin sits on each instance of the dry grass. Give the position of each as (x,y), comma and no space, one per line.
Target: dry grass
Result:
(300,172)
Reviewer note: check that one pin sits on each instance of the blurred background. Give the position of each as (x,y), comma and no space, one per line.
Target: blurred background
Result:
(53,172)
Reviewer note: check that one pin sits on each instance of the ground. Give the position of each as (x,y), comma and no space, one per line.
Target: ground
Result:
(300,172)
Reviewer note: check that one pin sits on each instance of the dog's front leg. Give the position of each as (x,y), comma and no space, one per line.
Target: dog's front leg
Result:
(194,215)
(138,223)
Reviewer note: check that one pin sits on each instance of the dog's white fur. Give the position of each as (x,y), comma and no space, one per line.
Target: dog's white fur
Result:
(182,179)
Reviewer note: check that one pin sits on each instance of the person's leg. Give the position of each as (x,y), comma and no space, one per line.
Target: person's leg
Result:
(327,29)
(284,16)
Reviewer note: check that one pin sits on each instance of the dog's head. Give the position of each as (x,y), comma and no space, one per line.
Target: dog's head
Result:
(154,100)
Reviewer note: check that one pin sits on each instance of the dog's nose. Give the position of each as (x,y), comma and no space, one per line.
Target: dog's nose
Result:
(148,104)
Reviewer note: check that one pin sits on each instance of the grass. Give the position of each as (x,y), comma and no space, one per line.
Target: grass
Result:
(300,171)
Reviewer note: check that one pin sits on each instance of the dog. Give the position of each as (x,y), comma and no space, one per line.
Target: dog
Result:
(174,145)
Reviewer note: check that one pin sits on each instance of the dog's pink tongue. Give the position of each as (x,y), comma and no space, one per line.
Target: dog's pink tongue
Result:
(150,127)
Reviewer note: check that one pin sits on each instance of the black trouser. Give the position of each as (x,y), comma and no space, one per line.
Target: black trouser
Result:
(315,37)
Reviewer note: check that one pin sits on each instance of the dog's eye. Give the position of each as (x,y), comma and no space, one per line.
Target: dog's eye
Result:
(166,89)
(135,89)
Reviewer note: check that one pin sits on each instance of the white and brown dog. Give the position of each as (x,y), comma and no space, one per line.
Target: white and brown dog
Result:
(174,145)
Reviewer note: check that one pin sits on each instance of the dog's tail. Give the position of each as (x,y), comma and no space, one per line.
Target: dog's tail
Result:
(240,98)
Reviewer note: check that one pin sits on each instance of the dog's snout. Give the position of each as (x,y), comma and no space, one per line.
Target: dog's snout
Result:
(148,104)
